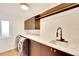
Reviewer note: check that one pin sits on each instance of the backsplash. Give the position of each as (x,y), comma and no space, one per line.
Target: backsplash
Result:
(69,22)
(33,32)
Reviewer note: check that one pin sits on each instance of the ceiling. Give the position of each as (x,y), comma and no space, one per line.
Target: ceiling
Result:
(14,10)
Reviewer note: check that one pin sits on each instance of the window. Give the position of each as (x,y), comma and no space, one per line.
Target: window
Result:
(4,28)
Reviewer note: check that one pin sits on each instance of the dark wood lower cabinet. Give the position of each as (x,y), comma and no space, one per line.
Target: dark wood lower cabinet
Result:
(45,50)
(49,51)
(34,48)
(38,49)
(56,52)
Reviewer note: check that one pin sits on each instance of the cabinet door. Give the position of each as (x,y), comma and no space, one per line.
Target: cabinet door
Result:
(37,24)
(34,48)
(29,24)
(32,23)
(56,52)
(45,50)
(26,48)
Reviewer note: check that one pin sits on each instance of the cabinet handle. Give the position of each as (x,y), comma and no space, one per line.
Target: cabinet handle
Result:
(54,50)
(51,49)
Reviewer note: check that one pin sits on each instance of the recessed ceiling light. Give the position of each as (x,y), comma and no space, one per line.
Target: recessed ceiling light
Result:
(24,6)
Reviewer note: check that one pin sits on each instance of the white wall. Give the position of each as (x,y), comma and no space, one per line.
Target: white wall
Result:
(69,21)
(16,27)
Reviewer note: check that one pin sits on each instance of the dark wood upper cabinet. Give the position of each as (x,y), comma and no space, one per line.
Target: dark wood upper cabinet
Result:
(29,24)
(32,23)
(58,9)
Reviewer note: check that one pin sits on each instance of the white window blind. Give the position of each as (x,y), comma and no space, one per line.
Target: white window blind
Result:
(4,28)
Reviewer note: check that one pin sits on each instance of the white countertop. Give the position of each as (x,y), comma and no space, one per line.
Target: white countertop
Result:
(73,51)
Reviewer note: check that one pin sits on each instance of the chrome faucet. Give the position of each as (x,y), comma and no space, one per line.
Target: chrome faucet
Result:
(60,38)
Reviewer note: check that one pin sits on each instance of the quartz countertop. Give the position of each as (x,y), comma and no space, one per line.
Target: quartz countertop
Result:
(38,38)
